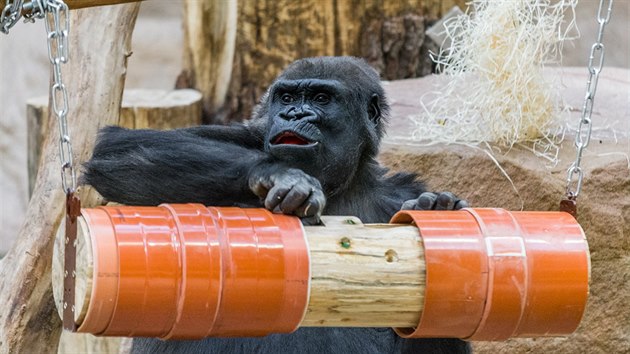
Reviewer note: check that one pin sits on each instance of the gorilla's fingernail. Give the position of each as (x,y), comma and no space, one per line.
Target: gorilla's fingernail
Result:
(306,209)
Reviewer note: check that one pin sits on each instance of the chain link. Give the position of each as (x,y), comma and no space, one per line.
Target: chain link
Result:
(10,15)
(15,9)
(57,29)
(575,173)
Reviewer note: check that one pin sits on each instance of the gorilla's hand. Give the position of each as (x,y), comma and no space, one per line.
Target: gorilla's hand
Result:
(291,191)
(434,201)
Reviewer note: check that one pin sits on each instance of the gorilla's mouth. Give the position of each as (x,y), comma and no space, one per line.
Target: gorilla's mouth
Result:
(290,138)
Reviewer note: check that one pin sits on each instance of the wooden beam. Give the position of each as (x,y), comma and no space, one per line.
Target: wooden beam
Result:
(79,4)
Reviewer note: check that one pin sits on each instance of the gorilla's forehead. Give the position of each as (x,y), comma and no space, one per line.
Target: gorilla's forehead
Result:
(330,86)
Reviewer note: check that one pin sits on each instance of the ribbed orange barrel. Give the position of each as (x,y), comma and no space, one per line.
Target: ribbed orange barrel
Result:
(188,271)
(492,274)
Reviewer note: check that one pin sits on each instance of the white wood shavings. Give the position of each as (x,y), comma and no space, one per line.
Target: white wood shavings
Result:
(497,92)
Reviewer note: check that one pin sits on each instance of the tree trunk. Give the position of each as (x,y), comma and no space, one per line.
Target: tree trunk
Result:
(95,77)
(209,39)
(271,33)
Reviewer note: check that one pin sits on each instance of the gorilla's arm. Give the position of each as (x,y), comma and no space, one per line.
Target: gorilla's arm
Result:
(221,166)
(148,167)
(246,135)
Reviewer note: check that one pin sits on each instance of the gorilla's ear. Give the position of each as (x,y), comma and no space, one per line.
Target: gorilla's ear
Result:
(374,110)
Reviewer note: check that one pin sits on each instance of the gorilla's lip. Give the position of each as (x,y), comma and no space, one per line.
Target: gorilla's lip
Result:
(288,137)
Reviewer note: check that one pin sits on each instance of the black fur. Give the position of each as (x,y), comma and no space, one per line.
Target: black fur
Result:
(338,107)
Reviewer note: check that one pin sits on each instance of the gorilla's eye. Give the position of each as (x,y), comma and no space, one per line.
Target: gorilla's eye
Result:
(287,98)
(322,98)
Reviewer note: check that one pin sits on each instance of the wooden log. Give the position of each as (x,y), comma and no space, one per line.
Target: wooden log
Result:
(102,38)
(364,275)
(141,108)
(187,271)
(209,42)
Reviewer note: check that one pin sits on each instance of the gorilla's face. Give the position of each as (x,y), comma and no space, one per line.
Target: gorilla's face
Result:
(318,126)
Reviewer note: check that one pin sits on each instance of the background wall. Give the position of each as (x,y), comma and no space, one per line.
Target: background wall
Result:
(155,63)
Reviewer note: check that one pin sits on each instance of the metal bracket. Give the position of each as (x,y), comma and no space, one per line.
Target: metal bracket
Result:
(73,210)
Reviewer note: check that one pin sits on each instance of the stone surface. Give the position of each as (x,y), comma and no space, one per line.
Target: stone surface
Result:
(603,206)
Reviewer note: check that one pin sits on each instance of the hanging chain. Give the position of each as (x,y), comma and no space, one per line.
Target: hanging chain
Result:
(57,28)
(575,174)
(57,23)
(15,9)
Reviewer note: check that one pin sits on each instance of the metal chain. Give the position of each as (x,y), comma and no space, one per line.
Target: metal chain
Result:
(10,15)
(575,174)
(57,28)
(15,9)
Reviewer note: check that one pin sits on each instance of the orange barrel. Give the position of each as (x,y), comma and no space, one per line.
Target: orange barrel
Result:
(492,274)
(188,271)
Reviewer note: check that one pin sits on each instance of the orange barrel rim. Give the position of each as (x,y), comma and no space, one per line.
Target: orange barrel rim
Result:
(188,271)
(534,281)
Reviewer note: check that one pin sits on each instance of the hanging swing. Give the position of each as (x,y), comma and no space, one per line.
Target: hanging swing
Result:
(190,271)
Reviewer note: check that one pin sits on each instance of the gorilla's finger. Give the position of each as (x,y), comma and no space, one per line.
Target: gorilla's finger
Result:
(409,204)
(461,204)
(311,221)
(445,201)
(426,201)
(276,195)
(313,206)
(294,198)
(259,187)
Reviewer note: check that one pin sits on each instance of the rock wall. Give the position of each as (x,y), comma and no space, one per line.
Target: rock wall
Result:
(603,206)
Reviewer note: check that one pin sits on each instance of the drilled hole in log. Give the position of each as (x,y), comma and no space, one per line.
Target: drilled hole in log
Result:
(391,256)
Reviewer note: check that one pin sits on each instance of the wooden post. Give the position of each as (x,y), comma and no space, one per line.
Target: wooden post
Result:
(209,41)
(154,109)
(95,75)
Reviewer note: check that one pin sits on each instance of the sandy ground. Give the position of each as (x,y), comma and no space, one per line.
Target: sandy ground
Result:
(155,64)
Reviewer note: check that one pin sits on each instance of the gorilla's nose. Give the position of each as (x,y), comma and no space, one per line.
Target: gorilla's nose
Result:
(300,113)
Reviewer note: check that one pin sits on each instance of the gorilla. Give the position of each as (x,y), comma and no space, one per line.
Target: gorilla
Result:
(309,150)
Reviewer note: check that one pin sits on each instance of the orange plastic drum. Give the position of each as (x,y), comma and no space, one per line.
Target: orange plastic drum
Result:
(209,271)
(492,274)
